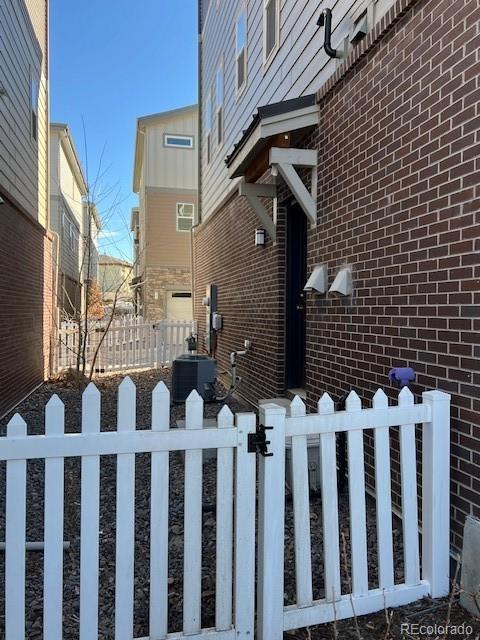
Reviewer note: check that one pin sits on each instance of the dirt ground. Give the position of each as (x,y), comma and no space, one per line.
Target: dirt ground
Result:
(372,626)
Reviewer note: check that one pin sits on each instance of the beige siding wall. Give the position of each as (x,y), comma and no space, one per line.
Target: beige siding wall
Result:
(167,166)
(299,67)
(23,160)
(164,245)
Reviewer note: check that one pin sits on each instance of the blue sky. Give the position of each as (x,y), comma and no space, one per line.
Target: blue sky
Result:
(112,61)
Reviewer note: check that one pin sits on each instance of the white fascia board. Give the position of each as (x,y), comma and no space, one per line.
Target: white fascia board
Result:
(245,151)
(292,121)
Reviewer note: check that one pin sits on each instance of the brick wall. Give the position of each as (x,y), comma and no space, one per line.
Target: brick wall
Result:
(25,306)
(399,196)
(251,286)
(398,201)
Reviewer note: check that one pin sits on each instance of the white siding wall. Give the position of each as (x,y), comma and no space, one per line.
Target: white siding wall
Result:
(166,166)
(23,160)
(299,67)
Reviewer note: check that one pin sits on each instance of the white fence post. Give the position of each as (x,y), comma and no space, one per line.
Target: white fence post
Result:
(271,522)
(436,493)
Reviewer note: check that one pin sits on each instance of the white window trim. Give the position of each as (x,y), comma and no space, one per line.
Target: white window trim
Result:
(180,136)
(267,59)
(33,106)
(241,89)
(219,145)
(177,216)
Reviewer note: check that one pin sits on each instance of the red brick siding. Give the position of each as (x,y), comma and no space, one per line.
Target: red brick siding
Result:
(251,287)
(398,200)
(25,306)
(399,196)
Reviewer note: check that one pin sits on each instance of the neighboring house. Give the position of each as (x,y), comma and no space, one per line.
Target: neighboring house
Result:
(165,178)
(26,289)
(114,277)
(73,220)
(369,162)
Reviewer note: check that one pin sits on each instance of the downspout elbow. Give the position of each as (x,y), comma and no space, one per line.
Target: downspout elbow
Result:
(325,20)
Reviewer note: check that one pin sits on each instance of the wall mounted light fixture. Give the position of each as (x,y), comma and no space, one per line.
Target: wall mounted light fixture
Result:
(318,279)
(343,283)
(259,237)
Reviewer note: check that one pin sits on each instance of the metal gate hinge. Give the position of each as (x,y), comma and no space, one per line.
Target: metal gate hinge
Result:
(258,443)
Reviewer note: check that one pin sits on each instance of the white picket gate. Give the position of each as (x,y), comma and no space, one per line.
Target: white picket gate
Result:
(235,512)
(126,344)
(235,573)
(434,414)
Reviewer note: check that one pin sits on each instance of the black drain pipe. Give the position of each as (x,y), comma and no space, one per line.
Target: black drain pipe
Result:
(325,19)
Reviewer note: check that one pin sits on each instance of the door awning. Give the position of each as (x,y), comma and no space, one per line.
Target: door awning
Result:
(281,124)
(271,141)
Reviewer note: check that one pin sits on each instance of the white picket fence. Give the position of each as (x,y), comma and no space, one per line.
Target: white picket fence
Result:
(129,343)
(434,414)
(235,513)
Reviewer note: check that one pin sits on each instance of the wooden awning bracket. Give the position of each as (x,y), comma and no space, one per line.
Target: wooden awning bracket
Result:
(253,191)
(285,161)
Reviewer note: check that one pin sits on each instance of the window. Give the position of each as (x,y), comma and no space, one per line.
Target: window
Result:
(208,126)
(271,28)
(185,212)
(34,108)
(178,141)
(241,57)
(219,104)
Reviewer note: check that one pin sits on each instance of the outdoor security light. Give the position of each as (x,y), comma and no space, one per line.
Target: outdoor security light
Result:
(318,279)
(259,237)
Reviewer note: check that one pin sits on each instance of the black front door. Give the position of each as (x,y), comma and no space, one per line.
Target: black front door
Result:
(295,302)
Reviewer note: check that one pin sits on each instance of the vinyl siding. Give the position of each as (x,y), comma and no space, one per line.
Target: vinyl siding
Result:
(23,160)
(299,67)
(167,166)
(165,246)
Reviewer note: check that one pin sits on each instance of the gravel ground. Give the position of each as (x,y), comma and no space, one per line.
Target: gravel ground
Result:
(32,411)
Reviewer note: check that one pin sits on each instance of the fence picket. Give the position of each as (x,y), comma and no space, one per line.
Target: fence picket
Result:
(271,523)
(53,526)
(245,530)
(383,494)
(89,520)
(408,464)
(125,517)
(301,511)
(159,502)
(192,588)
(15,522)
(224,538)
(356,491)
(331,547)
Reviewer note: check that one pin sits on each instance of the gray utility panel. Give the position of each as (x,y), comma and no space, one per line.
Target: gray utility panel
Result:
(193,371)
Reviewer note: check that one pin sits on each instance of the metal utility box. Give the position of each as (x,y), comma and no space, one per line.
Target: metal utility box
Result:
(193,371)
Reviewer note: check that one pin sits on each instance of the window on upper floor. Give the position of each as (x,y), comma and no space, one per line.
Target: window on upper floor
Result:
(271,28)
(34,108)
(178,141)
(208,126)
(185,215)
(219,103)
(240,48)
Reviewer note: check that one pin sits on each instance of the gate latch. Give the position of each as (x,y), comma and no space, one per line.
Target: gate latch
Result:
(258,443)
